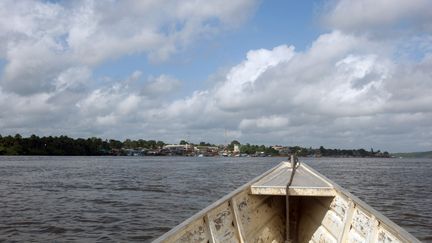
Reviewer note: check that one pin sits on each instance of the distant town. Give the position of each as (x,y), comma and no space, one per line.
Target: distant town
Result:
(64,145)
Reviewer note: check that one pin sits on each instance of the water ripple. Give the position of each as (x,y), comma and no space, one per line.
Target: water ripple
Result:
(135,199)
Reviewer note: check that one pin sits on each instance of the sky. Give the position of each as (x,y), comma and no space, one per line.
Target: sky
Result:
(337,73)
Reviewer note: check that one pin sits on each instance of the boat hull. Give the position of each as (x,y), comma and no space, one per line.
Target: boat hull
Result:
(256,212)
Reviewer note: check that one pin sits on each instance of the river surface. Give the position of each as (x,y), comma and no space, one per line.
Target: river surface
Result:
(136,199)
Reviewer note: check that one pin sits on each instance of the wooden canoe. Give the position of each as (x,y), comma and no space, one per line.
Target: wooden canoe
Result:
(319,211)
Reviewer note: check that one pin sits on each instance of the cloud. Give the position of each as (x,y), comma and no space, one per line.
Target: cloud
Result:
(272,122)
(111,104)
(354,86)
(363,15)
(74,78)
(241,80)
(157,86)
(317,80)
(41,39)
(355,95)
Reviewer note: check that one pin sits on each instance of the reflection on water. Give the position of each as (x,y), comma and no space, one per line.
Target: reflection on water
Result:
(139,198)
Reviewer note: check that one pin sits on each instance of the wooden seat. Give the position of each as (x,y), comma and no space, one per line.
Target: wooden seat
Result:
(305,183)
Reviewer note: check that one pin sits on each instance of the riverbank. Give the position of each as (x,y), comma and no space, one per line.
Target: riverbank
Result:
(66,146)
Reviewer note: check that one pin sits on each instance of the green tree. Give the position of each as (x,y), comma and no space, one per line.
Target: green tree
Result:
(115,144)
(160,144)
(152,144)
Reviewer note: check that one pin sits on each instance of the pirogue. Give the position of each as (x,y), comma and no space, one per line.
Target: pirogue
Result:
(316,209)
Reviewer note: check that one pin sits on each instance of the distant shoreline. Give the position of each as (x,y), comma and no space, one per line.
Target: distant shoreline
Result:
(67,146)
(426,154)
(217,156)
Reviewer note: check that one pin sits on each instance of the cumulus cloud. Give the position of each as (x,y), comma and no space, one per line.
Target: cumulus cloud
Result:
(241,80)
(272,122)
(384,15)
(350,88)
(49,50)
(40,39)
(74,78)
(157,86)
(355,95)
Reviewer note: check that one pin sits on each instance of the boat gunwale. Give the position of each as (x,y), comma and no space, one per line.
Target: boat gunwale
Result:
(389,225)
(202,213)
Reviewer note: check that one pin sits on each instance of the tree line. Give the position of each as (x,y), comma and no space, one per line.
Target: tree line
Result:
(323,152)
(64,145)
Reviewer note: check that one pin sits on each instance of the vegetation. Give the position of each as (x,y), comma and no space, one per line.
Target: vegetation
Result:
(258,149)
(305,152)
(63,145)
(352,153)
(427,154)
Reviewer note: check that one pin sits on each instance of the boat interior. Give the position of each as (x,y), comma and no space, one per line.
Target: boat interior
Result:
(319,211)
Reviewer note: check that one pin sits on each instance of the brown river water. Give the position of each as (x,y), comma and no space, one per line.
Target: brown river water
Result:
(136,199)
